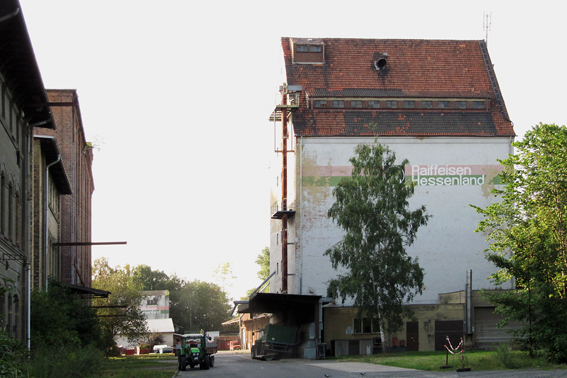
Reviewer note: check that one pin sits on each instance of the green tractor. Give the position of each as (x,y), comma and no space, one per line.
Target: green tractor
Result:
(196,350)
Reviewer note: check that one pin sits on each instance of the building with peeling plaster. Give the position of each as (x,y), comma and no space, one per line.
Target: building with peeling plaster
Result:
(436,103)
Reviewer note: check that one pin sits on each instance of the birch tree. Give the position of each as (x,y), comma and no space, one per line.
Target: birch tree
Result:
(372,208)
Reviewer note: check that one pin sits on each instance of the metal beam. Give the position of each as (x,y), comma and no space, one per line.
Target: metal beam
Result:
(86,243)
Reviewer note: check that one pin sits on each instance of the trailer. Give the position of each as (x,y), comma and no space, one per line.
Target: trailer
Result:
(274,341)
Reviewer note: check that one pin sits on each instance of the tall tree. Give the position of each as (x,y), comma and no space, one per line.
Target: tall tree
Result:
(200,306)
(127,321)
(372,208)
(527,231)
(223,276)
(149,279)
(263,261)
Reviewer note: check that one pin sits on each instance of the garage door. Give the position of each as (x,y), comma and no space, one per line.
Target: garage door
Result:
(486,329)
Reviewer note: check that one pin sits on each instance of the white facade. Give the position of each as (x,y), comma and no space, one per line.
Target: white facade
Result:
(451,174)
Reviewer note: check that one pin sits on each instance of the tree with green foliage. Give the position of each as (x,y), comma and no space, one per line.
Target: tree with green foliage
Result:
(263,261)
(223,276)
(149,279)
(200,306)
(127,320)
(372,207)
(527,230)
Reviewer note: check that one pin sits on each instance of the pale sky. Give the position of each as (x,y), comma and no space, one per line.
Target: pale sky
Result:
(176,94)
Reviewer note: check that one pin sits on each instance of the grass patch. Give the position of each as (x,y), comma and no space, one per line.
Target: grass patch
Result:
(432,361)
(143,366)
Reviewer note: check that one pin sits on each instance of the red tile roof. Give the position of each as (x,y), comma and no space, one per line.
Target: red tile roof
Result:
(415,69)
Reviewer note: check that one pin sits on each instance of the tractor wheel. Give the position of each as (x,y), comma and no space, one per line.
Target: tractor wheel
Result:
(212,363)
(207,362)
(182,363)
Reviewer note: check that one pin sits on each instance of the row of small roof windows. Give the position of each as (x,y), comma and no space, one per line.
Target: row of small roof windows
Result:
(392,104)
(309,48)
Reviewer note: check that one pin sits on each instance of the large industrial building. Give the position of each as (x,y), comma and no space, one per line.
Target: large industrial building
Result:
(436,103)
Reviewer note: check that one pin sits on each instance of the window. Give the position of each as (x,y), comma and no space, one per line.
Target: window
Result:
(338,104)
(391,104)
(301,48)
(461,104)
(356,104)
(426,104)
(320,103)
(443,104)
(409,104)
(374,104)
(152,301)
(317,49)
(366,325)
(478,104)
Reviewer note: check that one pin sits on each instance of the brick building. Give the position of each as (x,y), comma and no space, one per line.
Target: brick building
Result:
(23,105)
(49,184)
(436,103)
(77,158)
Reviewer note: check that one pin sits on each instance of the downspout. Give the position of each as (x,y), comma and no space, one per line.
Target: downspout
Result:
(27,215)
(46,220)
(284,289)
(299,154)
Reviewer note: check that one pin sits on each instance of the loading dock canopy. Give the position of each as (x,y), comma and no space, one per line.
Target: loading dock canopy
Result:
(276,303)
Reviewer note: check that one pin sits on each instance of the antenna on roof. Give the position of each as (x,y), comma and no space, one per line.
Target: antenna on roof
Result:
(486,23)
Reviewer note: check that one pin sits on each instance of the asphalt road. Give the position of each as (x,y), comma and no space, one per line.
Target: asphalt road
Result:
(240,365)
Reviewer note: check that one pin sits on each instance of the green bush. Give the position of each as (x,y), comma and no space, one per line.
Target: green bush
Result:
(12,356)
(69,362)
(59,318)
(507,357)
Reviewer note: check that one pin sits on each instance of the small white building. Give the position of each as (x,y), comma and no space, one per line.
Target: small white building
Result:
(155,306)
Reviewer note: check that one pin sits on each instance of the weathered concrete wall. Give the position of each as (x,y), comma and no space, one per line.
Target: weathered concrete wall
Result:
(451,174)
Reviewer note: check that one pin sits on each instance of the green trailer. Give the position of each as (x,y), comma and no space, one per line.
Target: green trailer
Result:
(274,341)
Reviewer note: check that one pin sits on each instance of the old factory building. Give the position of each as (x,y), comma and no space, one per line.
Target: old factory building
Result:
(436,103)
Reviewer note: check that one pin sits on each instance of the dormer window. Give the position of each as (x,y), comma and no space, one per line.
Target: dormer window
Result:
(338,104)
(308,51)
(320,103)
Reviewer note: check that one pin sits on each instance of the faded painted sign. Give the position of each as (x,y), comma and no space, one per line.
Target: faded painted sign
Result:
(421,175)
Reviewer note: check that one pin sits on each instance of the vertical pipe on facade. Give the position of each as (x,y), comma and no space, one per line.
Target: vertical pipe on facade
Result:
(298,228)
(28,235)
(46,221)
(284,190)
(468,303)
